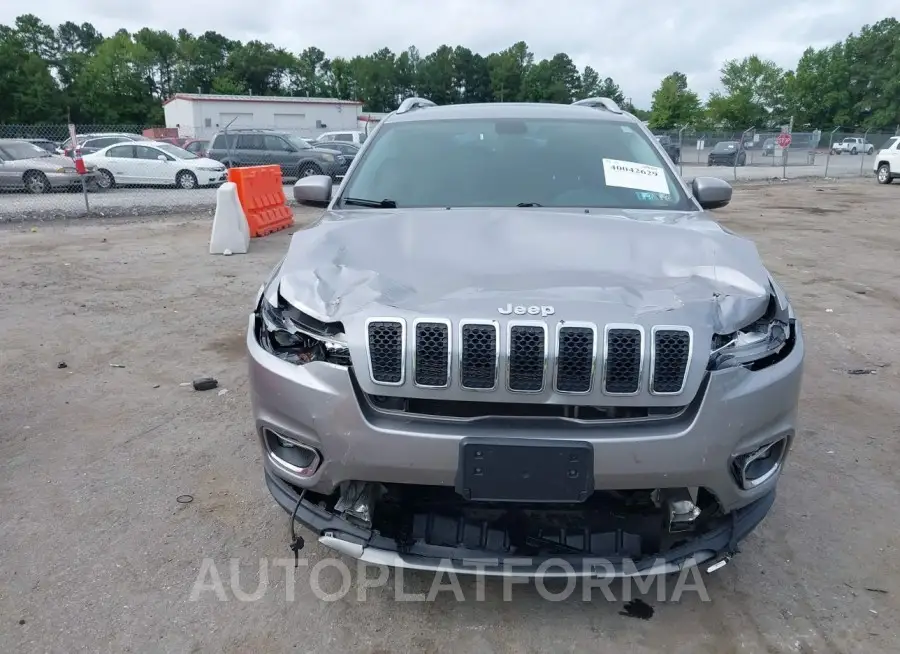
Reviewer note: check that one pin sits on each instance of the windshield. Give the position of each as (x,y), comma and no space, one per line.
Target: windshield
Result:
(299,143)
(22,150)
(725,146)
(510,162)
(175,151)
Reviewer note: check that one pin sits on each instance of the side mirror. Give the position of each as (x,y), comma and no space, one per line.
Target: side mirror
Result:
(711,192)
(314,190)
(162,157)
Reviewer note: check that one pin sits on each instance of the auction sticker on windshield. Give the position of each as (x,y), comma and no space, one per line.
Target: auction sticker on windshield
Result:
(628,174)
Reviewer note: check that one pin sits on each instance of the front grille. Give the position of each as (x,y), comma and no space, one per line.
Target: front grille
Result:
(432,362)
(575,359)
(469,352)
(386,338)
(478,355)
(671,357)
(526,357)
(624,356)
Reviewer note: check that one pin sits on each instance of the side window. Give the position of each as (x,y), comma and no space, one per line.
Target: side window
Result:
(343,137)
(121,152)
(103,142)
(251,142)
(276,144)
(143,152)
(219,143)
(326,138)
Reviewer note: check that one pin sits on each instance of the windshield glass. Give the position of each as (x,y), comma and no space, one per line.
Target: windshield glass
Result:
(22,150)
(508,162)
(299,143)
(725,146)
(175,151)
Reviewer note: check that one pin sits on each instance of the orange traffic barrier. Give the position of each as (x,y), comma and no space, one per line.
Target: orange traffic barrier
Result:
(261,193)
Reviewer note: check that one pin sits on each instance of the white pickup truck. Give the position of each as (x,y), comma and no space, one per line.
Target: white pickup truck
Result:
(853,145)
(887,162)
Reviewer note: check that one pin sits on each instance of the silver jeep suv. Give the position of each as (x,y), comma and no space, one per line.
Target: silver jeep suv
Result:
(517,337)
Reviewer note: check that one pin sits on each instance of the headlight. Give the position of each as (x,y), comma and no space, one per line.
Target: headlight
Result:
(765,342)
(328,157)
(290,335)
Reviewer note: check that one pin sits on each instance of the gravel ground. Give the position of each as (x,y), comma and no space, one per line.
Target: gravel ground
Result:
(132,202)
(98,556)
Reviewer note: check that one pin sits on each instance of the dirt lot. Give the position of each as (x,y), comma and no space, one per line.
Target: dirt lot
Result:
(98,556)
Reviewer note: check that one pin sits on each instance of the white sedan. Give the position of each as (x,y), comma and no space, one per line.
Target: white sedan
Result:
(154,163)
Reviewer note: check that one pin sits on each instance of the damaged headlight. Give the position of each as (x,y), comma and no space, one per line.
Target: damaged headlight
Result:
(290,335)
(761,344)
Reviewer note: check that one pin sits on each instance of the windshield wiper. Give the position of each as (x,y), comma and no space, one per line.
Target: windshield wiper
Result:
(376,204)
(529,204)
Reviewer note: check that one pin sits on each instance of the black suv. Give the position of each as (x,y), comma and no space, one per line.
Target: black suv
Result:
(261,147)
(670,146)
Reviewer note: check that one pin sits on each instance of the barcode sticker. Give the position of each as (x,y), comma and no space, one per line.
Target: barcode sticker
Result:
(628,174)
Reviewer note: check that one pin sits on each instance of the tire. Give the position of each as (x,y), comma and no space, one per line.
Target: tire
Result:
(105,179)
(186,180)
(853,151)
(308,170)
(884,174)
(742,161)
(36,182)
(871,150)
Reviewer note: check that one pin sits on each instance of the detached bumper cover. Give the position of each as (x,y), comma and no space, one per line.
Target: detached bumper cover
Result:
(351,540)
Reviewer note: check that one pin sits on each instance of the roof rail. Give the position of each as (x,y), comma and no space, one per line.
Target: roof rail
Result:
(600,103)
(411,104)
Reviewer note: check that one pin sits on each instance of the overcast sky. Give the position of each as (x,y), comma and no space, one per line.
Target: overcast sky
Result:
(634,42)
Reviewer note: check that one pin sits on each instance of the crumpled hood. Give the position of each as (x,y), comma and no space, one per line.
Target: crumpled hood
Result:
(417,260)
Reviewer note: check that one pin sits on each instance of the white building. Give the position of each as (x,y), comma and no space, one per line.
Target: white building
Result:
(201,115)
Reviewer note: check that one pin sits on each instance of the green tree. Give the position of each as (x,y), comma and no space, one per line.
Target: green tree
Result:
(674,104)
(753,96)
(28,92)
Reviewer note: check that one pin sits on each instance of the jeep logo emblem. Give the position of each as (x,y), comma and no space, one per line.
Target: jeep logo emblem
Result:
(533,310)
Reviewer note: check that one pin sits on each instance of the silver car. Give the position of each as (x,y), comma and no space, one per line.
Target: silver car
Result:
(24,165)
(517,336)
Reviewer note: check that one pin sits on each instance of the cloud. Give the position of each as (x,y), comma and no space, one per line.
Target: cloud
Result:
(635,43)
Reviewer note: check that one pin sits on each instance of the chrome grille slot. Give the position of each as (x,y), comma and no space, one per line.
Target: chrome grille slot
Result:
(526,360)
(479,351)
(670,358)
(576,358)
(386,339)
(432,353)
(623,358)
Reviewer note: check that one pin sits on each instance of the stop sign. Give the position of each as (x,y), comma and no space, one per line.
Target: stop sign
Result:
(783,140)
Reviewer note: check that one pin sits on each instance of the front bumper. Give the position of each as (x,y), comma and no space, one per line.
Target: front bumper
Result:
(716,544)
(317,405)
(67,180)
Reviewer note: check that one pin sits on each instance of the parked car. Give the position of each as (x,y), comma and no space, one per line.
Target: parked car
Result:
(24,165)
(89,143)
(853,145)
(197,146)
(154,163)
(445,370)
(670,146)
(46,144)
(355,136)
(256,147)
(726,153)
(887,161)
(348,150)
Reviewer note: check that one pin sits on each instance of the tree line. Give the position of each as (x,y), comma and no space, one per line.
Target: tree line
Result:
(73,73)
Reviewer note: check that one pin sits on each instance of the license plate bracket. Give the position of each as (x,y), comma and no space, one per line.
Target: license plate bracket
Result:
(525,470)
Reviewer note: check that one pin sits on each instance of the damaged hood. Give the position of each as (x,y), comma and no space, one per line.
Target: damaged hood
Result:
(423,261)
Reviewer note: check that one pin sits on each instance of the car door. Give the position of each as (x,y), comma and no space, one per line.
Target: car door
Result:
(251,150)
(150,169)
(10,176)
(282,153)
(119,160)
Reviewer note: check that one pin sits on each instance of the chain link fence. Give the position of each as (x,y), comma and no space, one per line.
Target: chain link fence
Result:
(145,170)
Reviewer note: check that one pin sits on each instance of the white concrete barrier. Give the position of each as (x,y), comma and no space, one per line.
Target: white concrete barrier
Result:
(230,232)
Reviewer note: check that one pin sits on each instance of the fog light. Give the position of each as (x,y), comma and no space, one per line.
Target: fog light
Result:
(755,468)
(291,456)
